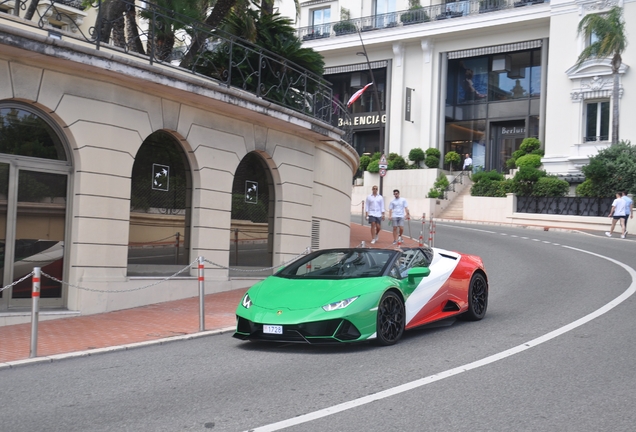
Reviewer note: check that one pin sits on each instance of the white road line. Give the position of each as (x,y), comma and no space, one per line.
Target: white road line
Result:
(470,366)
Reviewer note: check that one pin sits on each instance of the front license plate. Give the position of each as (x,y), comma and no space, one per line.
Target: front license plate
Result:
(272,329)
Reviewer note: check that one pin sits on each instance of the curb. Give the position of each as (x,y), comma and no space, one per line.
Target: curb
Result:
(106,350)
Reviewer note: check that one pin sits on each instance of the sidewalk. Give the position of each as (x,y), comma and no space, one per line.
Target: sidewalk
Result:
(125,329)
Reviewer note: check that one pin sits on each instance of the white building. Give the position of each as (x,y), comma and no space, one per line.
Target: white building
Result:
(474,76)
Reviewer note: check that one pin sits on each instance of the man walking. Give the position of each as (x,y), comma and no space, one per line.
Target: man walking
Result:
(628,209)
(617,214)
(398,210)
(374,212)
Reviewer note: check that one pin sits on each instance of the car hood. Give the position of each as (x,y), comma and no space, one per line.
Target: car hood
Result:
(294,294)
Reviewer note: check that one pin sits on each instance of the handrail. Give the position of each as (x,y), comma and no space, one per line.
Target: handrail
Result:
(424,14)
(217,56)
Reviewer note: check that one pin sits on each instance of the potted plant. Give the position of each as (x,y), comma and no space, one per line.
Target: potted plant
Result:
(345,26)
(415,14)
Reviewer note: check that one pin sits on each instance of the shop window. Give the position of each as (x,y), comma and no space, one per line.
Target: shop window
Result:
(597,121)
(159,236)
(33,163)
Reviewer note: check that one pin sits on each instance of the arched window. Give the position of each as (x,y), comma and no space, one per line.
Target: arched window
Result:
(34,182)
(252,214)
(159,239)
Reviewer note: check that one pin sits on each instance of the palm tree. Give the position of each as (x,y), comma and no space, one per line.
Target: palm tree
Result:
(609,29)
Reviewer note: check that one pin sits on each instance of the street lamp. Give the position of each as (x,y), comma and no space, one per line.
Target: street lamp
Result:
(376,99)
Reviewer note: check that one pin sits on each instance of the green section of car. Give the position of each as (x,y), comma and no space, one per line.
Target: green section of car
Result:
(281,301)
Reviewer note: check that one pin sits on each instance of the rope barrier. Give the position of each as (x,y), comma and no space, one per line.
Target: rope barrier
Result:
(305,252)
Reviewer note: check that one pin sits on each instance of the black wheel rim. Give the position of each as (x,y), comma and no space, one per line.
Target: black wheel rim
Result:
(390,318)
(479,296)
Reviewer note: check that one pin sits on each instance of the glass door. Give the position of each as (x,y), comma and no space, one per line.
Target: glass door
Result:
(39,217)
(505,139)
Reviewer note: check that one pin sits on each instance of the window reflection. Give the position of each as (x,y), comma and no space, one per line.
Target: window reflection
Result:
(40,226)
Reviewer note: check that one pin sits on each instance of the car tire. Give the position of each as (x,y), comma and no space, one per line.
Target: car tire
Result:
(477,298)
(390,319)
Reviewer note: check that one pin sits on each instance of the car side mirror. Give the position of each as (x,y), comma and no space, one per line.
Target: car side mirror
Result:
(418,272)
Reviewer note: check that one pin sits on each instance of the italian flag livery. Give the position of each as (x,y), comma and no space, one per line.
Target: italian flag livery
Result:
(353,295)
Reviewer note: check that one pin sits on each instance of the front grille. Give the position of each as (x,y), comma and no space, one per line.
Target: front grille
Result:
(329,331)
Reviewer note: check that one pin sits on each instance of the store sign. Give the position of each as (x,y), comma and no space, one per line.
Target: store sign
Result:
(407,109)
(362,120)
(514,130)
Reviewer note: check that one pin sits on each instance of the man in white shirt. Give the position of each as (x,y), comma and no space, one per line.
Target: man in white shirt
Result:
(374,211)
(617,214)
(468,163)
(628,209)
(398,210)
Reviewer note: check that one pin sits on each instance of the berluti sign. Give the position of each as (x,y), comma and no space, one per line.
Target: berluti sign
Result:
(362,120)
(513,130)
(407,108)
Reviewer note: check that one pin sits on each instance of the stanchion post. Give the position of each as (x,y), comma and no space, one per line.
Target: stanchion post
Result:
(362,213)
(236,245)
(201,271)
(35,311)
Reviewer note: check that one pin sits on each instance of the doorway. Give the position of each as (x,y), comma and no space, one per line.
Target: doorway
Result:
(505,139)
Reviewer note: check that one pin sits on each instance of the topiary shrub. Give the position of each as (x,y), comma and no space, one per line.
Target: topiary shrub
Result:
(417,156)
(528,145)
(490,175)
(439,187)
(364,162)
(452,157)
(396,162)
(432,161)
(524,180)
(550,186)
(585,189)
(374,166)
(433,152)
(531,160)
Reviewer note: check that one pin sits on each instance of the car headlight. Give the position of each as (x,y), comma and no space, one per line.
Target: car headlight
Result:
(247,301)
(339,304)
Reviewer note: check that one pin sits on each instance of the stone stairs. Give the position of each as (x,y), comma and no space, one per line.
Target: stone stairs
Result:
(455,210)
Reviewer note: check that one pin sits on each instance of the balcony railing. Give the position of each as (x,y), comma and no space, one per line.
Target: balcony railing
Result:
(165,37)
(413,16)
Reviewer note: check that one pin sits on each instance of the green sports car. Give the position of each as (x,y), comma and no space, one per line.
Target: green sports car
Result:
(359,294)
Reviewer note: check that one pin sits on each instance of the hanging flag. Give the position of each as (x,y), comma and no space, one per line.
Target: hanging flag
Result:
(357,95)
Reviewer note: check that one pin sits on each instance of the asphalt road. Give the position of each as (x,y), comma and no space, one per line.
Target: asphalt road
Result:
(555,352)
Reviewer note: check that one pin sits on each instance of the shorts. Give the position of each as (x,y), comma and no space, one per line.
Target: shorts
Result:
(618,217)
(398,222)
(375,219)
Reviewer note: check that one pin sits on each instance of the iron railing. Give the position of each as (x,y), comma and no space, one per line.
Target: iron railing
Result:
(573,206)
(412,16)
(165,37)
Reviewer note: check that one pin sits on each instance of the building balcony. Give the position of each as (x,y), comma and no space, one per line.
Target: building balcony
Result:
(423,15)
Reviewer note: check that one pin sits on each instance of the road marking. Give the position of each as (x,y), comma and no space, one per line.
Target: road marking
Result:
(305,418)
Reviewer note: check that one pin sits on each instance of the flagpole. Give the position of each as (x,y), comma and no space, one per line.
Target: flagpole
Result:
(376,98)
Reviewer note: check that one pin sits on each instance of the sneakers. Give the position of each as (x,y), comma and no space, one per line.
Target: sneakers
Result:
(622,235)
(607,233)
(373,241)
(394,242)
(400,239)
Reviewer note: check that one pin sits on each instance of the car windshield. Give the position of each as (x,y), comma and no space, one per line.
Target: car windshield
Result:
(339,264)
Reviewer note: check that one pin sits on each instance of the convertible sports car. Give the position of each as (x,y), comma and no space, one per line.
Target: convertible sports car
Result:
(356,294)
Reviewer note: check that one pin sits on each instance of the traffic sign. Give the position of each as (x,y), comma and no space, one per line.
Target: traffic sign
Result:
(383,163)
(382,172)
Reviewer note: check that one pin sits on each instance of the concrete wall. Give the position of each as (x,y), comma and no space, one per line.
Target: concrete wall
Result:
(106,105)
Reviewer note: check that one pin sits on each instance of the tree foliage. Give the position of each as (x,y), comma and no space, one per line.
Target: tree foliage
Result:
(611,169)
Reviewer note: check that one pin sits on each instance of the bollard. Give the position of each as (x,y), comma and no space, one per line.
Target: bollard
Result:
(35,311)
(201,272)
(362,214)
(421,241)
